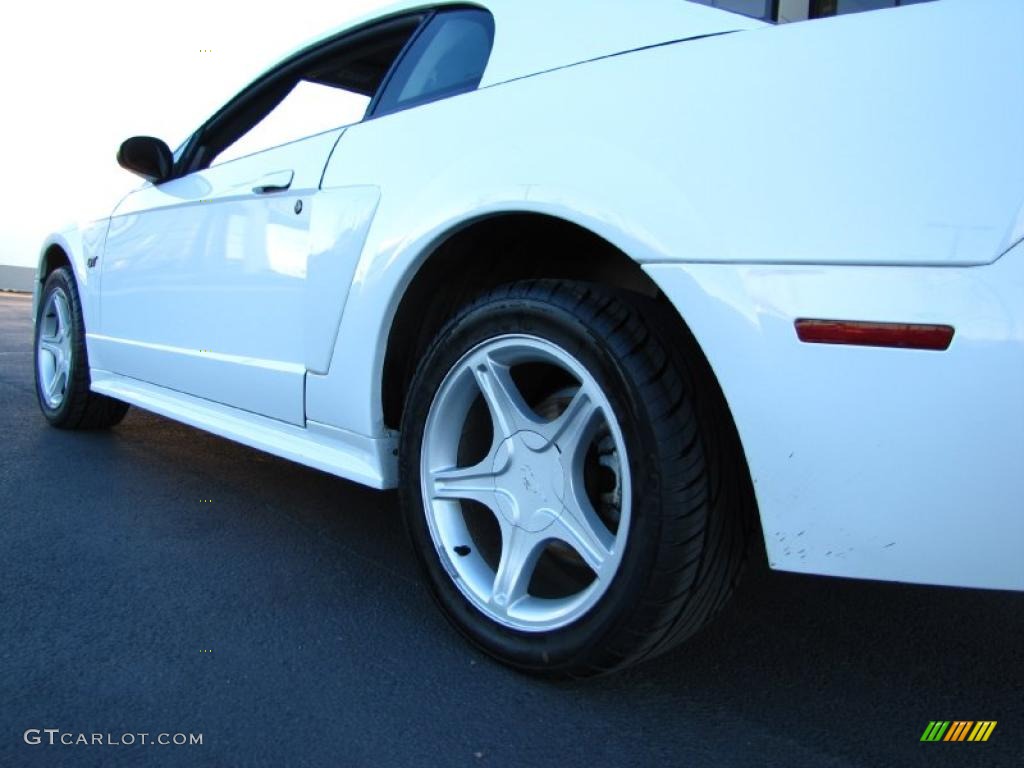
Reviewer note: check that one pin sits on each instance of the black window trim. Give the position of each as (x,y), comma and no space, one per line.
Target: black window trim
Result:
(191,159)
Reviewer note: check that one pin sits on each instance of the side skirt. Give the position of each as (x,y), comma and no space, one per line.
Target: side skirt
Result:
(365,460)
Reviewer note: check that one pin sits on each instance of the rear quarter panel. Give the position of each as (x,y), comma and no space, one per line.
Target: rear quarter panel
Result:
(862,166)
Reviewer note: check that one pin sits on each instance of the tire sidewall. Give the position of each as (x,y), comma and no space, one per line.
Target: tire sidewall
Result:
(589,344)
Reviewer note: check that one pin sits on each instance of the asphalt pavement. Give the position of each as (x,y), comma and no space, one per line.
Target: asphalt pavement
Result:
(159,580)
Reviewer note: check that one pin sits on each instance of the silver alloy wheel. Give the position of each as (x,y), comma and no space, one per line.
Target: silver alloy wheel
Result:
(533,479)
(53,349)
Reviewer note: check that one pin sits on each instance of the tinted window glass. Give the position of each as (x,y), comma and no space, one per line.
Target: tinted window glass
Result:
(448,58)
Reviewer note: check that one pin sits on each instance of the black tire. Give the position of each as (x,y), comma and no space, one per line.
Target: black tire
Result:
(80,408)
(693,510)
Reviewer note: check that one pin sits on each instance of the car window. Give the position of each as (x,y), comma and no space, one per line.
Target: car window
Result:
(759,9)
(308,109)
(783,11)
(448,58)
(317,90)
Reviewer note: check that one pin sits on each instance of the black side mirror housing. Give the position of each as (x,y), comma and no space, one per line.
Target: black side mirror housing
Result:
(147,157)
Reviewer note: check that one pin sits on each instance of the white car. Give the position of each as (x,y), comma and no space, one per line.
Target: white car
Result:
(608,290)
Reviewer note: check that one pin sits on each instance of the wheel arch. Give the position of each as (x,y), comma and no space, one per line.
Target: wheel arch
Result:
(55,253)
(520,245)
(62,249)
(65,249)
(52,257)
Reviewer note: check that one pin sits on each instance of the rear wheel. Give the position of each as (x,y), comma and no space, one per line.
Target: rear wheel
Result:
(62,363)
(570,479)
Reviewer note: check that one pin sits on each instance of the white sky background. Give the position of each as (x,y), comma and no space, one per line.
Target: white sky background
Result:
(77,78)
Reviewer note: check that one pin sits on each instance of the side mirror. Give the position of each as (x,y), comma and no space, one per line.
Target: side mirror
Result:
(148,157)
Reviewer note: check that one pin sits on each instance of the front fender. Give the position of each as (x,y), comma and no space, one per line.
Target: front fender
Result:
(79,244)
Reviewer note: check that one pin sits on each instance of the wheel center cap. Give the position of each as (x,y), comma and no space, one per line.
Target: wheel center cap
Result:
(529,481)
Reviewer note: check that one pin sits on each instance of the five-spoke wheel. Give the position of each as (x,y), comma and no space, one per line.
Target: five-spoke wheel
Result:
(570,479)
(62,362)
(552,478)
(53,347)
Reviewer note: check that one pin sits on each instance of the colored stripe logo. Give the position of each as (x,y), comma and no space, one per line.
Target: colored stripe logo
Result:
(958,730)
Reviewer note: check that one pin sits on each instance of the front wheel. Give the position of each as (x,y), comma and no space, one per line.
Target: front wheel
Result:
(570,481)
(62,363)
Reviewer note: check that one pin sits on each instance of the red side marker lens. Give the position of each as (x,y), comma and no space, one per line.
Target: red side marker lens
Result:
(901,335)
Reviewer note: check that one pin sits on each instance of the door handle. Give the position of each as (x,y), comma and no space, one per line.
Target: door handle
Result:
(278,181)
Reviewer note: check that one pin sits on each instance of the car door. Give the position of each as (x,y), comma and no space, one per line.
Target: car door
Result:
(202,280)
(205,282)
